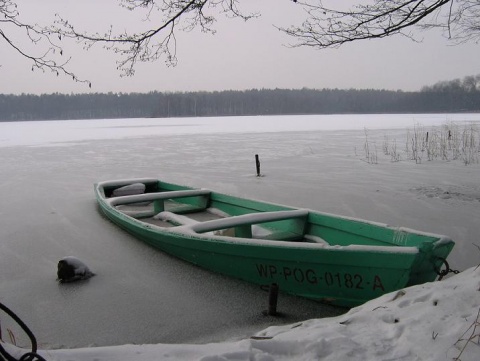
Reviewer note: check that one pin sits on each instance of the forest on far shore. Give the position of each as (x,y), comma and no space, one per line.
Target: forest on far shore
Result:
(455,96)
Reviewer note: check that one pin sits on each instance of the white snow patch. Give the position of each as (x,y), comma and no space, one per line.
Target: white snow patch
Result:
(259,231)
(392,249)
(175,218)
(131,189)
(316,239)
(218,212)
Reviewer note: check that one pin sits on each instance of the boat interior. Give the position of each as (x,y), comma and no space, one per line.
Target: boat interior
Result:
(205,212)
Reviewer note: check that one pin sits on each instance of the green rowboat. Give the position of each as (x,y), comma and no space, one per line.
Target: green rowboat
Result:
(316,255)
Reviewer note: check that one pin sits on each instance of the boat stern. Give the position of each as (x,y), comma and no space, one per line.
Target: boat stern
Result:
(431,261)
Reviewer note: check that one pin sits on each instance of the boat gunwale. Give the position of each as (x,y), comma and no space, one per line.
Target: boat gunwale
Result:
(438,238)
(189,230)
(153,196)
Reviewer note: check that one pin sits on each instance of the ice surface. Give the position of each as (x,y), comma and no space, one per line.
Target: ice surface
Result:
(66,132)
(142,296)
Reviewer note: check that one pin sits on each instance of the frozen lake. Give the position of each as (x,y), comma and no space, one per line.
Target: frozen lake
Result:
(141,295)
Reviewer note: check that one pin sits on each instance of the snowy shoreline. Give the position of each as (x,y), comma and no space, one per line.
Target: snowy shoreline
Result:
(432,321)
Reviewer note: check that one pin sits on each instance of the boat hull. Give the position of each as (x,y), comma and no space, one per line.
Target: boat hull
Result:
(346,274)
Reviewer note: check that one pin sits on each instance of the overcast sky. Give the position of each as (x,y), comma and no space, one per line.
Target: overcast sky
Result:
(240,56)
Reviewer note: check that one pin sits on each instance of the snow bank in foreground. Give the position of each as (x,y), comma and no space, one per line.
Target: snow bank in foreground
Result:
(432,321)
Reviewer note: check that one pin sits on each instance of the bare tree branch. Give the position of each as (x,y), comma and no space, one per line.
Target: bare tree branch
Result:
(158,41)
(37,36)
(166,18)
(324,27)
(463,23)
(328,27)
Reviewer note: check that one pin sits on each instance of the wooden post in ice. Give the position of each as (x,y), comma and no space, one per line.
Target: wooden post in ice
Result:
(257,163)
(272,299)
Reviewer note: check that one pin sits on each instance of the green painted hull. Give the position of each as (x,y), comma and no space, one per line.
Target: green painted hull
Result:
(310,254)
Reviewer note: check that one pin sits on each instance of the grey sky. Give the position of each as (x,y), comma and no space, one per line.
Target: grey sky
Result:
(240,56)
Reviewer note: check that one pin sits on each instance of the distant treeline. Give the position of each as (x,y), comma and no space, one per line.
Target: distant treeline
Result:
(445,97)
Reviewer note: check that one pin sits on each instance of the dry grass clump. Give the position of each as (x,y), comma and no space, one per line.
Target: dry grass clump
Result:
(470,336)
(449,142)
(370,154)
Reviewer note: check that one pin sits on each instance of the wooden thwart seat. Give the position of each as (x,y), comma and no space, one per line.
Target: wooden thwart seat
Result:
(159,198)
(243,223)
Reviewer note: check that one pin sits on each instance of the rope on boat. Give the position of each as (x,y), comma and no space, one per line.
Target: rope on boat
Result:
(29,356)
(442,273)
